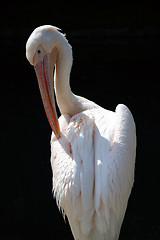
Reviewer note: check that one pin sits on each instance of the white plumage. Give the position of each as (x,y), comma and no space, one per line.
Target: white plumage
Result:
(92,149)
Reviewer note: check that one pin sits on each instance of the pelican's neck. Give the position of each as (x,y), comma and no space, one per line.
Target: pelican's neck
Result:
(64,96)
(68,102)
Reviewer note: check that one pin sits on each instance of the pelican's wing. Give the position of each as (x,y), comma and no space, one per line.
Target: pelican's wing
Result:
(93,170)
(115,149)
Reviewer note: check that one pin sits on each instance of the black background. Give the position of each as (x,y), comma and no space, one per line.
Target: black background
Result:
(116,49)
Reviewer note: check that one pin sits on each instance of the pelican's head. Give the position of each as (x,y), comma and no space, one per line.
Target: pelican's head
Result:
(43,38)
(41,52)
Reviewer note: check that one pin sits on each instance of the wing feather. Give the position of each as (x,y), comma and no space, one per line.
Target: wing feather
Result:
(115,148)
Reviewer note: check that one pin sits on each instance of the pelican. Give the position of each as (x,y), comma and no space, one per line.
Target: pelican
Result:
(92,149)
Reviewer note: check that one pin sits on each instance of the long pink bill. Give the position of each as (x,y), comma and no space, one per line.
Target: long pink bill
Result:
(45,81)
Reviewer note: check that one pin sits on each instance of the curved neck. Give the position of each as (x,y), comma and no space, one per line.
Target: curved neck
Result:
(68,103)
(64,96)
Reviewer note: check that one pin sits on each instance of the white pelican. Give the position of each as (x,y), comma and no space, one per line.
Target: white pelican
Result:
(92,149)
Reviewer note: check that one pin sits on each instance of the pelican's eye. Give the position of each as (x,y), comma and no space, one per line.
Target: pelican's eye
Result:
(39,55)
